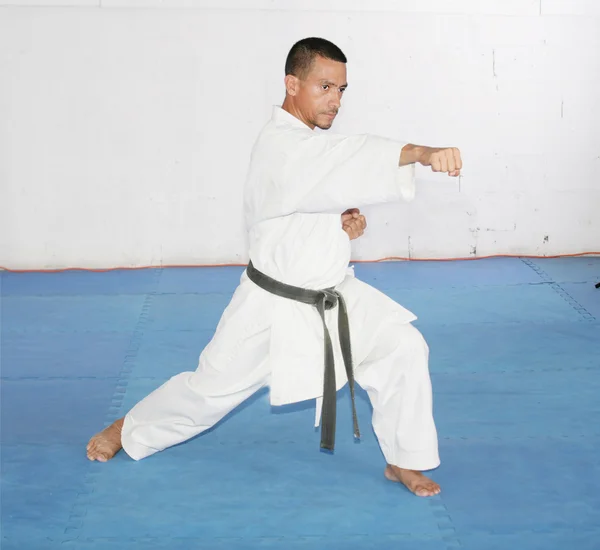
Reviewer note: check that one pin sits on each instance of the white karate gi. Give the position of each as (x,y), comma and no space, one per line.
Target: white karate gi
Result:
(299,183)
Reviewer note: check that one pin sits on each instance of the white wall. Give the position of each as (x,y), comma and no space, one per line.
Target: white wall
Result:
(126,125)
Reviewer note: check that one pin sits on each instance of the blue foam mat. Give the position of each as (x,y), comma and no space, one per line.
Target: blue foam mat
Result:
(465,273)
(509,304)
(198,312)
(71,313)
(46,412)
(570,270)
(309,542)
(515,348)
(283,482)
(76,283)
(40,485)
(63,354)
(488,347)
(163,354)
(521,485)
(205,280)
(586,296)
(518,404)
(586,539)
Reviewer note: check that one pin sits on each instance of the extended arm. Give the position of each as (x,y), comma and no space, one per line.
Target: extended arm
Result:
(324,173)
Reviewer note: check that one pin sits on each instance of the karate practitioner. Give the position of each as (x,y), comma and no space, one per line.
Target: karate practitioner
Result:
(302,198)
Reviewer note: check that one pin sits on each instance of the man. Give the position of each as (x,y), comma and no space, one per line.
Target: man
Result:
(298,294)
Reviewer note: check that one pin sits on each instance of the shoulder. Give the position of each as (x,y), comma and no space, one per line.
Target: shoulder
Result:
(281,139)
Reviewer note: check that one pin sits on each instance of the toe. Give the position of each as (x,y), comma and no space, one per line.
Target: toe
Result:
(427,490)
(94,452)
(389,474)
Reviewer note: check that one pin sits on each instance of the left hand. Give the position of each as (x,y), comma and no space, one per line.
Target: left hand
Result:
(442,159)
(353,223)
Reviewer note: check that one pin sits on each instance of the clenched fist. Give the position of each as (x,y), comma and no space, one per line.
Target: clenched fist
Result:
(353,223)
(442,159)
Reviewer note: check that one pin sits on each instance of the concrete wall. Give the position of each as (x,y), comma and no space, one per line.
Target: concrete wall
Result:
(126,125)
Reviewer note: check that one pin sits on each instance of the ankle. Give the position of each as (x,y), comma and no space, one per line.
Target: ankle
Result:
(117,425)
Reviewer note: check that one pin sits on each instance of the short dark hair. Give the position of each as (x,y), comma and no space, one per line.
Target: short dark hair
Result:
(303,53)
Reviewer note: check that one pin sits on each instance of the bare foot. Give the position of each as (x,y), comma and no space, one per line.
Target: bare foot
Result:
(106,444)
(415,481)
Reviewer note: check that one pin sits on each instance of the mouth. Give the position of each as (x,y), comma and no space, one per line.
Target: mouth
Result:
(330,115)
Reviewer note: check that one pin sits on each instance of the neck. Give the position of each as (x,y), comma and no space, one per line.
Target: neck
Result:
(290,107)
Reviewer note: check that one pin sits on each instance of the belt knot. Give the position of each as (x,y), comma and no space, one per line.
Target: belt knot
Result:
(330,298)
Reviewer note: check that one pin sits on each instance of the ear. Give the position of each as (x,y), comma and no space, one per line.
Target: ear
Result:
(291,84)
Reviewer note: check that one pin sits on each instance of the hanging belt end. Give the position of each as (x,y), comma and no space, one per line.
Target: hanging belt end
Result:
(327,447)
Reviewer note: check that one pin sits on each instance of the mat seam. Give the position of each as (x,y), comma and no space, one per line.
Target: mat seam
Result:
(391,538)
(79,508)
(228,294)
(274,538)
(444,522)
(433,372)
(584,313)
(233,442)
(212,327)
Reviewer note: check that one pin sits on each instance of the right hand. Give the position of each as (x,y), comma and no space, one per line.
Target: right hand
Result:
(442,159)
(353,223)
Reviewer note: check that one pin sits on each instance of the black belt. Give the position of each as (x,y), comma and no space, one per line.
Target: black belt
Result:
(323,300)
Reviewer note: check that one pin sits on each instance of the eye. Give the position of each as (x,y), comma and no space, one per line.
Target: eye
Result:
(342,90)
(325,87)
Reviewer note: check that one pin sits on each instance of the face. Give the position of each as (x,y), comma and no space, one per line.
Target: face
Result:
(317,97)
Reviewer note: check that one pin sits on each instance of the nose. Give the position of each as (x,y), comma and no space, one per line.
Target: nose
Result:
(335,101)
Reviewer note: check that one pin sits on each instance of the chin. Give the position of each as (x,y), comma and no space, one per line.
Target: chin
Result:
(325,126)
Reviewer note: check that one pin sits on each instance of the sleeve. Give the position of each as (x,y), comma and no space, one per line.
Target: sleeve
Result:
(325,173)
